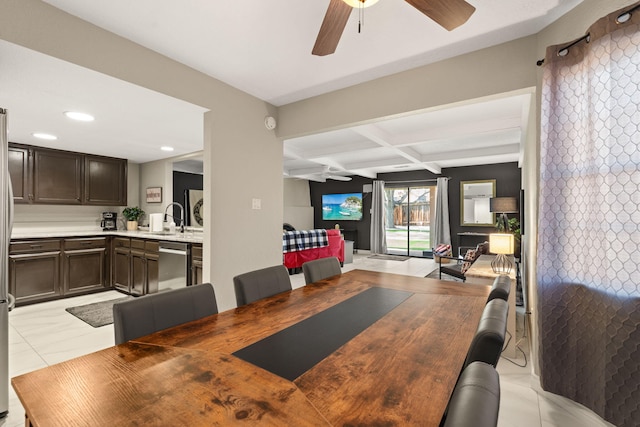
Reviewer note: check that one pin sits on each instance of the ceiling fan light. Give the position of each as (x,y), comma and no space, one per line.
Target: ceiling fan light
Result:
(359,3)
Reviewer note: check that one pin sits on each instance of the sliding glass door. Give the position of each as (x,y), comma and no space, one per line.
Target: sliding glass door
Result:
(409,214)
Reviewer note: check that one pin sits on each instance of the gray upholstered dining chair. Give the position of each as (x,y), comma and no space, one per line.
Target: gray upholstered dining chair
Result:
(150,313)
(500,288)
(475,401)
(258,284)
(488,341)
(319,269)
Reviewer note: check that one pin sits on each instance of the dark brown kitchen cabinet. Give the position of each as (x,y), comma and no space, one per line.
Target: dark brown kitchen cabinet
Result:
(135,265)
(196,264)
(105,181)
(121,262)
(34,270)
(85,265)
(144,266)
(57,177)
(18,161)
(47,176)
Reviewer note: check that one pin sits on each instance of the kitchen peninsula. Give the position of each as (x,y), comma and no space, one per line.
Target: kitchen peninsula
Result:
(46,265)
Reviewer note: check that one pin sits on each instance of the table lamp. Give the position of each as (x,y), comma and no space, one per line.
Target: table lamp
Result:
(501,244)
(503,206)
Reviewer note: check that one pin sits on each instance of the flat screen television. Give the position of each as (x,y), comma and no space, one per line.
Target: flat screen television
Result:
(342,207)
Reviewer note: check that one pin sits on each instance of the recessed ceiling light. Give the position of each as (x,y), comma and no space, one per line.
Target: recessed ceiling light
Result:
(82,117)
(47,136)
(165,148)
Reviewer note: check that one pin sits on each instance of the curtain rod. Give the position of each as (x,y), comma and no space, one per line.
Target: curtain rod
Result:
(621,19)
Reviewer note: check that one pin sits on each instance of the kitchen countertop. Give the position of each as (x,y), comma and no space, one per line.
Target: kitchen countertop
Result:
(188,236)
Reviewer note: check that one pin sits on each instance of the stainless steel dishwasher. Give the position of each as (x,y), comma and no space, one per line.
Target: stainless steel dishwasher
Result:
(172,268)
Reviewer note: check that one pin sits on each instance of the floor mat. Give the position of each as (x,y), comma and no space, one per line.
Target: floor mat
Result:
(96,314)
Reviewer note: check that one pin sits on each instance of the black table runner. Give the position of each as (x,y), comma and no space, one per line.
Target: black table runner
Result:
(296,349)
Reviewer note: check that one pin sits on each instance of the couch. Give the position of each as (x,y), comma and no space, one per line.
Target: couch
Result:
(294,260)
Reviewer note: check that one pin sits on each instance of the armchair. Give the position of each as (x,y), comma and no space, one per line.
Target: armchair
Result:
(459,269)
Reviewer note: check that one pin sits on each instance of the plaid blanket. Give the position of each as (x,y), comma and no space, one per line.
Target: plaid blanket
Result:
(293,241)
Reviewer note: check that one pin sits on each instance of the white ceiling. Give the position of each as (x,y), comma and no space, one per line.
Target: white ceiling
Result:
(264,48)
(131,122)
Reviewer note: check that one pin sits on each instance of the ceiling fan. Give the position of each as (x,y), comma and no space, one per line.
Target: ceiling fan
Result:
(449,14)
(322,175)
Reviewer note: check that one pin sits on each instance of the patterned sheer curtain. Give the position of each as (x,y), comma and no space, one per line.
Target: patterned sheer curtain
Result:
(440,232)
(378,239)
(588,261)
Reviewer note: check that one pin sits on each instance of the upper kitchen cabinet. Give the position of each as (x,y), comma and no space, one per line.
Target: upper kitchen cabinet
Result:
(105,181)
(46,176)
(57,177)
(19,173)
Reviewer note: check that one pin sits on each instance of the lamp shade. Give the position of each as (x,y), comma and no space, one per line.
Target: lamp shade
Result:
(503,204)
(501,243)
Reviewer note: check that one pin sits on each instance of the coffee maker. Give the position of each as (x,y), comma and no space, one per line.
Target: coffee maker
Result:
(108,222)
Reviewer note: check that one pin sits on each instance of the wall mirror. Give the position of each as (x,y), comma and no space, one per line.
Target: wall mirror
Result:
(474,202)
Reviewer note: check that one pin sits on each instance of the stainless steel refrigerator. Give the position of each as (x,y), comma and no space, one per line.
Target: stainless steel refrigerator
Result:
(6,300)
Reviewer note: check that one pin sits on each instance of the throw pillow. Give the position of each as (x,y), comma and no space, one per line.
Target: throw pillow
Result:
(469,257)
(442,249)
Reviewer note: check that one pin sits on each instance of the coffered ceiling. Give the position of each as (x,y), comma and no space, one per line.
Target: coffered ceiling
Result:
(484,132)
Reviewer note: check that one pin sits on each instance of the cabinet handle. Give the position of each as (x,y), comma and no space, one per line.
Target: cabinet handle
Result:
(35,246)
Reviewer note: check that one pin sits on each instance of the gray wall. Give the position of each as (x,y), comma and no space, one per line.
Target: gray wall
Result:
(507,176)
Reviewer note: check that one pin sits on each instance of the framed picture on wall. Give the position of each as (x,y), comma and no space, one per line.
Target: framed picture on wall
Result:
(154,195)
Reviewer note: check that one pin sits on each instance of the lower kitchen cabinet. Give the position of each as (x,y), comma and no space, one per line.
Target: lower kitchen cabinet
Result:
(45,269)
(85,265)
(136,266)
(34,270)
(121,261)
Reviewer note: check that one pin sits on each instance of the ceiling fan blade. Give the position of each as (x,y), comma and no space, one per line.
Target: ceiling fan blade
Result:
(449,14)
(338,177)
(332,27)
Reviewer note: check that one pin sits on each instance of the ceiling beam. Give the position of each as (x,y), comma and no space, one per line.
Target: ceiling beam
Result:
(307,171)
(329,148)
(476,152)
(383,139)
(464,130)
(375,163)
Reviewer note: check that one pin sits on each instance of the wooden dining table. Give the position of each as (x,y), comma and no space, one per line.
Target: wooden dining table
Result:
(361,348)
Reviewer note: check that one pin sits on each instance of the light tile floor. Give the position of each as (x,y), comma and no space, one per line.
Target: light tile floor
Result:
(45,334)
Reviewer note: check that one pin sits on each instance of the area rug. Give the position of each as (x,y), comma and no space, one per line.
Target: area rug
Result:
(96,314)
(389,257)
(436,275)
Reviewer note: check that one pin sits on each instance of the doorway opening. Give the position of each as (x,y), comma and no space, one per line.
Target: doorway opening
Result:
(409,213)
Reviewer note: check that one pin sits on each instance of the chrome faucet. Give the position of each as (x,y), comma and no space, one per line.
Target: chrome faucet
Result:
(181,214)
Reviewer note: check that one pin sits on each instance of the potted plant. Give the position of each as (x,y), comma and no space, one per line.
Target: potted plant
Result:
(132,214)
